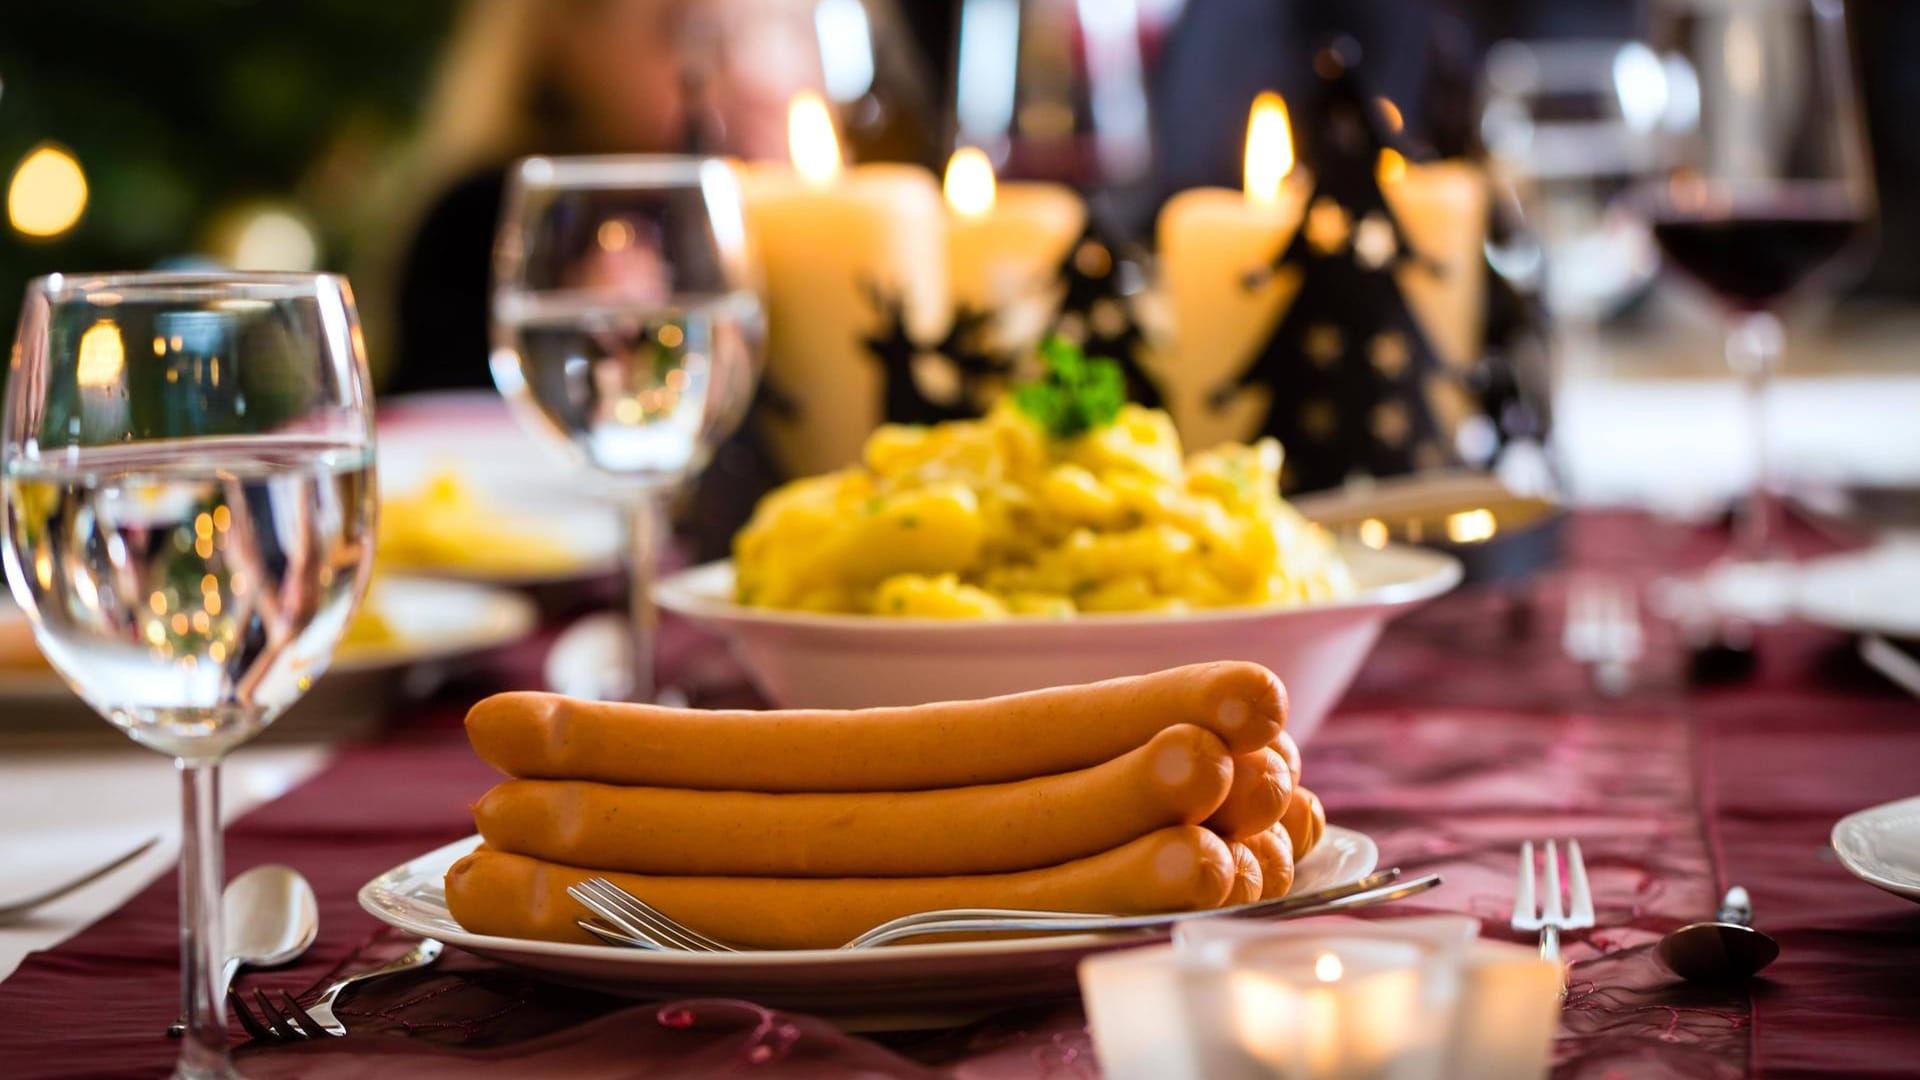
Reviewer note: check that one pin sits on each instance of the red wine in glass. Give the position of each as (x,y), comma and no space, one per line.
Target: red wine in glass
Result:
(1754,253)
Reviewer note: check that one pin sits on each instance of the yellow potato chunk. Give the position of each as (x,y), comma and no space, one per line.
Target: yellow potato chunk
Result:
(992,518)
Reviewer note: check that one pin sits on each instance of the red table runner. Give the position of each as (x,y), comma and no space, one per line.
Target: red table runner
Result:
(1460,740)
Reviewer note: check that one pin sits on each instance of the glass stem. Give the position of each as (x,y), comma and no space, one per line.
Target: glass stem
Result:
(643,617)
(1754,342)
(203,1053)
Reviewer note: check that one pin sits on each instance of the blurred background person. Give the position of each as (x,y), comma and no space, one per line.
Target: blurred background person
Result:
(614,76)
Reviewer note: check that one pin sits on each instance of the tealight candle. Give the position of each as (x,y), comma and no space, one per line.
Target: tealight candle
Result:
(1495,1004)
(837,247)
(1334,1008)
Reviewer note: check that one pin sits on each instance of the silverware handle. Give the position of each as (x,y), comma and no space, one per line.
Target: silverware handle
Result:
(1264,911)
(1278,906)
(419,956)
(1550,950)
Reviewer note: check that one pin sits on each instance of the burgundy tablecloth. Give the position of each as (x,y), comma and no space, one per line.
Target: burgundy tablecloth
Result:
(1460,740)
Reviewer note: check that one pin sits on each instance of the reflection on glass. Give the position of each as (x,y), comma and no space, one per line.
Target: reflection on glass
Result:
(625,327)
(188,473)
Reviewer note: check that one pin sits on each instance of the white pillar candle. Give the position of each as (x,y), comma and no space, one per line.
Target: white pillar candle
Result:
(827,238)
(1004,240)
(1442,210)
(1209,240)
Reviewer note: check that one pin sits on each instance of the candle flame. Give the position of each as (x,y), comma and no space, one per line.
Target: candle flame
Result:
(1328,968)
(1269,149)
(811,140)
(969,185)
(103,356)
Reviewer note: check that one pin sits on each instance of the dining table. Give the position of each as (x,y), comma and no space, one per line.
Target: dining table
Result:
(1467,733)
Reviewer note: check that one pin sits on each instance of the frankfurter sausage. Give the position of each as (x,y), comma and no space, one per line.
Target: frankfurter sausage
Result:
(1176,779)
(1175,869)
(1273,850)
(1305,822)
(1261,787)
(1291,751)
(947,744)
(1247,880)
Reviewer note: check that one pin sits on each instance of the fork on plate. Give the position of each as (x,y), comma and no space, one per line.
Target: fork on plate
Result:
(1547,916)
(624,919)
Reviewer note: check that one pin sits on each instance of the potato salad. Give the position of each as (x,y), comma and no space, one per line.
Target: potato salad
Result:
(1007,516)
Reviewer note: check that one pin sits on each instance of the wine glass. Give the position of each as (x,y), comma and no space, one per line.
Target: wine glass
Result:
(187,463)
(743,61)
(1058,90)
(626,327)
(1574,124)
(1768,185)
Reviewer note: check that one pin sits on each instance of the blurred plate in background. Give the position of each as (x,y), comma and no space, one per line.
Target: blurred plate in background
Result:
(426,622)
(1876,591)
(467,494)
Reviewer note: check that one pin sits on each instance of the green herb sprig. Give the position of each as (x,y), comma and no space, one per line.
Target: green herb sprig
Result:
(1075,394)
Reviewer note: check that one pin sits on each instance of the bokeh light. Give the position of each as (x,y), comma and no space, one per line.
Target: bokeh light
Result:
(47,194)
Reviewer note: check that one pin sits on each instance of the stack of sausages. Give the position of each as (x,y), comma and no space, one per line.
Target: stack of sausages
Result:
(803,828)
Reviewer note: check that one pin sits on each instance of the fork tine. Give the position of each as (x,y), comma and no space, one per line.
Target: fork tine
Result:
(1577,888)
(614,936)
(633,923)
(308,1024)
(641,911)
(1551,912)
(1526,916)
(282,1027)
(662,926)
(1576,631)
(255,1029)
(614,917)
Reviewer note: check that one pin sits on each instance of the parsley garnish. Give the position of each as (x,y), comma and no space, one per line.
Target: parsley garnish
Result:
(1075,394)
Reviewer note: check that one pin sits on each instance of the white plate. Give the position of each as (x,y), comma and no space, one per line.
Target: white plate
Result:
(1881,846)
(895,986)
(432,620)
(807,660)
(1876,591)
(473,436)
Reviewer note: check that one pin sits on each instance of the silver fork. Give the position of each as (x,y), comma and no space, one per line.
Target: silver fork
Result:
(285,1022)
(20,909)
(1603,632)
(639,919)
(321,1011)
(630,921)
(1547,917)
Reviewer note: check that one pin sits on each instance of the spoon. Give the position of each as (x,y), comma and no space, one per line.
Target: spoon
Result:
(1724,950)
(271,917)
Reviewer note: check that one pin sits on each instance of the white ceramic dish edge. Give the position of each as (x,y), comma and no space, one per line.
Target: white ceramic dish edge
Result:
(1860,839)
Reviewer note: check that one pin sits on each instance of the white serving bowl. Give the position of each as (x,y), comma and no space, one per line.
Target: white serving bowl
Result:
(807,660)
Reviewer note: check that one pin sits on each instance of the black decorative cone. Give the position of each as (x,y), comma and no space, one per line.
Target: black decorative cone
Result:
(1349,367)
